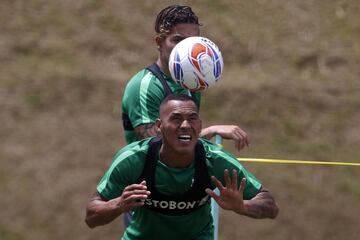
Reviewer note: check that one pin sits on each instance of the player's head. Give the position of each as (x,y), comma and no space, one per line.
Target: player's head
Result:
(179,123)
(173,15)
(177,97)
(173,24)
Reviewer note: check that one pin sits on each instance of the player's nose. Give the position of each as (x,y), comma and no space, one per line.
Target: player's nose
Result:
(184,124)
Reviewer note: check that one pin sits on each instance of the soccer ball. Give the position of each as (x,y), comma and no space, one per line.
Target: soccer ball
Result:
(196,63)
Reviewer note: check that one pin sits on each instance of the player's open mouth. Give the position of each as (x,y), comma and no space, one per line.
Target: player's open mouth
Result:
(184,137)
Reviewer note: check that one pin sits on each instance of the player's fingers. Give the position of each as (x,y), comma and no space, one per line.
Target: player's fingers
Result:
(135,186)
(140,192)
(128,194)
(212,194)
(136,198)
(227,179)
(234,180)
(247,141)
(238,139)
(244,141)
(135,191)
(244,137)
(217,183)
(237,143)
(242,186)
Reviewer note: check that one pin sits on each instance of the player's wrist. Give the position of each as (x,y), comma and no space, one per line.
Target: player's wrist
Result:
(242,208)
(117,205)
(207,133)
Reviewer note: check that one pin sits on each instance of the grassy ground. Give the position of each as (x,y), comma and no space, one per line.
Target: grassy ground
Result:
(291,81)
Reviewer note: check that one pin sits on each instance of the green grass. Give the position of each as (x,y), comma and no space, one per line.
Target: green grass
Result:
(290,80)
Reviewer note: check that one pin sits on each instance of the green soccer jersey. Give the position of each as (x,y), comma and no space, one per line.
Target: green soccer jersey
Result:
(142,98)
(126,168)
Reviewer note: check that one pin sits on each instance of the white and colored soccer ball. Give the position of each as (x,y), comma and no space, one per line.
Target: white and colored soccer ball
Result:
(196,63)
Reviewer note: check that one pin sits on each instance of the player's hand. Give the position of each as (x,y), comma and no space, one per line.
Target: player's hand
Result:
(239,136)
(231,197)
(133,195)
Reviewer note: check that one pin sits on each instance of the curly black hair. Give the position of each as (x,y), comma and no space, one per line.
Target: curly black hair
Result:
(172,15)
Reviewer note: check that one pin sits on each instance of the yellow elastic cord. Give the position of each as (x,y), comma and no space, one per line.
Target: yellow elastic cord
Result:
(259,160)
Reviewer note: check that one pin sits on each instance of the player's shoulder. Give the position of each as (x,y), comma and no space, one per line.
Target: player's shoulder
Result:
(215,152)
(132,153)
(209,145)
(142,80)
(139,76)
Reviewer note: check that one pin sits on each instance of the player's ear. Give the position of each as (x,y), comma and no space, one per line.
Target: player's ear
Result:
(158,41)
(158,125)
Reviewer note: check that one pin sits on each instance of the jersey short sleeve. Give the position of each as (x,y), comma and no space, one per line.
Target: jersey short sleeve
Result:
(219,159)
(142,97)
(124,170)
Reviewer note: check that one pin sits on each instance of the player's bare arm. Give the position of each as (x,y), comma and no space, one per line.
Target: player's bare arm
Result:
(261,206)
(145,131)
(239,136)
(100,211)
(231,198)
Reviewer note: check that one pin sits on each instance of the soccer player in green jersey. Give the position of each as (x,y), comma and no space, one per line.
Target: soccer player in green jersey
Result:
(168,181)
(144,92)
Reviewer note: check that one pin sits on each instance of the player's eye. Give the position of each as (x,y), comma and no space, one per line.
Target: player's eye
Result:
(175,118)
(177,39)
(193,117)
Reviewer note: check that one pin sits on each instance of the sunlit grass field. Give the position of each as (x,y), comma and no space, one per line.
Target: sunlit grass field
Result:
(291,81)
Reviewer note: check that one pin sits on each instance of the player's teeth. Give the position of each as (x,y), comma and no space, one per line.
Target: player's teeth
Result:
(184,137)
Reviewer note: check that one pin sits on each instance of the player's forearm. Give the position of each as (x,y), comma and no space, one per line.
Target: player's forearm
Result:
(99,212)
(208,132)
(261,206)
(145,131)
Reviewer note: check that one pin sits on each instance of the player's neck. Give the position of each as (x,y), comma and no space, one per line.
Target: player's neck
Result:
(163,67)
(174,159)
